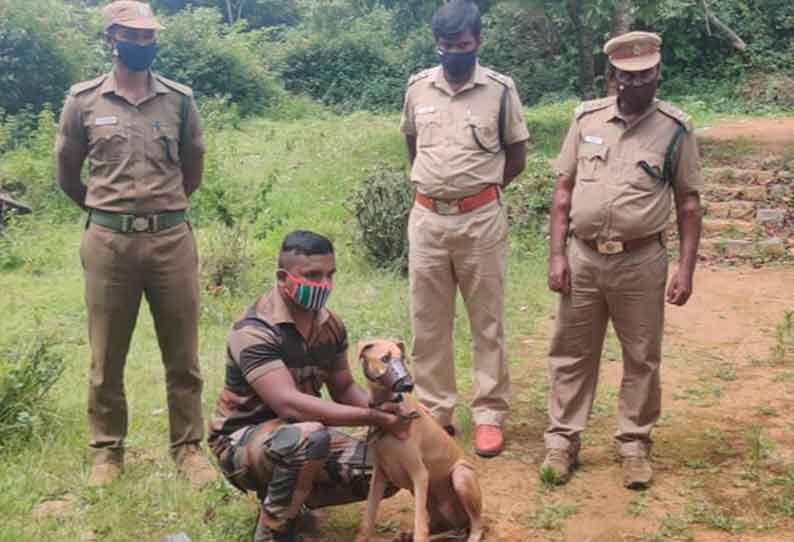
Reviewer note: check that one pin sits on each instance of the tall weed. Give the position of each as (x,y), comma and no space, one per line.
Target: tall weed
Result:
(381,206)
(28,369)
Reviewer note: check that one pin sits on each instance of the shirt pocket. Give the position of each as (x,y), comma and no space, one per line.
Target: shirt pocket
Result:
(108,146)
(484,129)
(645,170)
(164,146)
(591,162)
(428,129)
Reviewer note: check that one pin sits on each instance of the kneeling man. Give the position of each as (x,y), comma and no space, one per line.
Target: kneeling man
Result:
(271,428)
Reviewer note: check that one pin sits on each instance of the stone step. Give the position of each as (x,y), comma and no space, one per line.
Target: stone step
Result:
(728,228)
(739,248)
(740,210)
(773,217)
(718,192)
(734,176)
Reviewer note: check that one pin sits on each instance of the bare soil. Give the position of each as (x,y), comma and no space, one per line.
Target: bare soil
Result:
(777,133)
(717,384)
(724,448)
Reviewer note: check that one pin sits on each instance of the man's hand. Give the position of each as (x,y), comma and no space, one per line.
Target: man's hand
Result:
(680,288)
(391,421)
(559,274)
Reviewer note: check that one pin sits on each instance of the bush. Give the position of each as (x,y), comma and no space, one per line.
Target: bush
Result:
(359,67)
(225,258)
(529,46)
(28,171)
(529,197)
(28,369)
(770,90)
(197,49)
(45,46)
(381,206)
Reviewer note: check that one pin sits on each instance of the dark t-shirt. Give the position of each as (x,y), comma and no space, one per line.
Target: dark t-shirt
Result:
(264,339)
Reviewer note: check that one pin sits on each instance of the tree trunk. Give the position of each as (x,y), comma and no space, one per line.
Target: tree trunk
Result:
(229,13)
(621,24)
(240,7)
(586,39)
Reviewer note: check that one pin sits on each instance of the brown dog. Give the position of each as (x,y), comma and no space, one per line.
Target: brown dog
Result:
(428,463)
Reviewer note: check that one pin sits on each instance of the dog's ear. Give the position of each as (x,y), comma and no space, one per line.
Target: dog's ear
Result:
(361,346)
(401,346)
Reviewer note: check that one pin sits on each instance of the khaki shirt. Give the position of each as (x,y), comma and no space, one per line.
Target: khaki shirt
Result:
(134,152)
(265,338)
(613,197)
(449,164)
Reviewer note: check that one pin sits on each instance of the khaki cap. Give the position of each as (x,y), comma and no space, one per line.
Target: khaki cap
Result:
(130,14)
(635,51)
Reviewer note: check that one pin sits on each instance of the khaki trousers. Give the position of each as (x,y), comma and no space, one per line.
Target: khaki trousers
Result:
(119,268)
(468,251)
(629,288)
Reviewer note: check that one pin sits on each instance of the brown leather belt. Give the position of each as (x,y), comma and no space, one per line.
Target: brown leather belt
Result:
(619,247)
(458,206)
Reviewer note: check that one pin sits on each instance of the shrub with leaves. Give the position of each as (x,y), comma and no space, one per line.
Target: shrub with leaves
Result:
(225,258)
(28,369)
(197,49)
(45,46)
(27,171)
(529,198)
(381,206)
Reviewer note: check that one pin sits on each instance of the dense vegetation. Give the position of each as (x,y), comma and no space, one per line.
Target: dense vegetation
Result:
(357,54)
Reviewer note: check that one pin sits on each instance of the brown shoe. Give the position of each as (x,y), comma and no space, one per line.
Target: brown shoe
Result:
(265,531)
(192,462)
(107,464)
(103,474)
(637,472)
(558,465)
(488,440)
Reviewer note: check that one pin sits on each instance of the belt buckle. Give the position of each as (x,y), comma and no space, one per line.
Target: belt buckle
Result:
(610,247)
(447,207)
(140,224)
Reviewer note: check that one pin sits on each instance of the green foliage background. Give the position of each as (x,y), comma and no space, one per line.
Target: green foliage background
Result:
(357,54)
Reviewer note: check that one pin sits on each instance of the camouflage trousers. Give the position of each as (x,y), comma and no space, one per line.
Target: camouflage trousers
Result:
(288,465)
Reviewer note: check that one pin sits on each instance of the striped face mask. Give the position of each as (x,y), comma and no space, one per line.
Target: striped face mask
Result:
(309,295)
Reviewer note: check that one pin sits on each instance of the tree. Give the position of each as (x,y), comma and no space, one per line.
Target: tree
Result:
(579,12)
(622,17)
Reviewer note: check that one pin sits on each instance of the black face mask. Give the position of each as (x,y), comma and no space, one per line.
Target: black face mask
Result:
(636,99)
(457,64)
(136,57)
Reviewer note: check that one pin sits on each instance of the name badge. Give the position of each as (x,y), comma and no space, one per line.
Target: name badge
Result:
(595,140)
(425,110)
(106,121)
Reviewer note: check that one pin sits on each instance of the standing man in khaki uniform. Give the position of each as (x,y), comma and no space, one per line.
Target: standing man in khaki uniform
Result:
(141,135)
(466,139)
(622,163)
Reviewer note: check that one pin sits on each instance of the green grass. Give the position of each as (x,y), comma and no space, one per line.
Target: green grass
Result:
(312,167)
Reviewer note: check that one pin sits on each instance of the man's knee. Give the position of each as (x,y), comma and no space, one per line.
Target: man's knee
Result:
(310,440)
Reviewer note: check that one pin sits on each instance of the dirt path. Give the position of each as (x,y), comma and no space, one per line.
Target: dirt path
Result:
(775,132)
(718,386)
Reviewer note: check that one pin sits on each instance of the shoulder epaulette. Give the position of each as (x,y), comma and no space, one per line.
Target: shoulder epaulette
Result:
(173,85)
(424,74)
(77,88)
(676,114)
(593,105)
(499,78)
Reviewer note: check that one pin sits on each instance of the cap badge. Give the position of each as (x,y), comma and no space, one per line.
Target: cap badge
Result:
(144,10)
(637,50)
